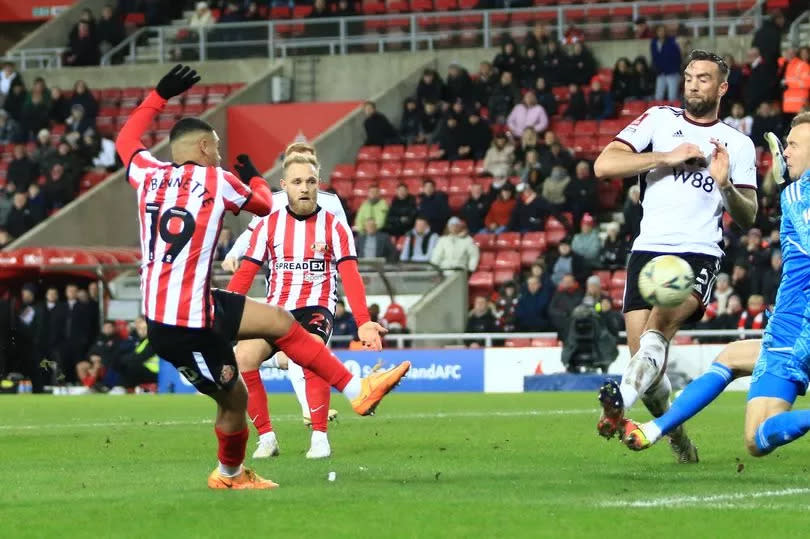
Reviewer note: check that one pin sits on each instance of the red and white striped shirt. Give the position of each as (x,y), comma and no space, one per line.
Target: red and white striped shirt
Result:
(180,208)
(302,255)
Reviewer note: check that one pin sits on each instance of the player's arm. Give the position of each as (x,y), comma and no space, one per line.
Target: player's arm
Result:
(369,332)
(741,203)
(260,199)
(240,246)
(254,257)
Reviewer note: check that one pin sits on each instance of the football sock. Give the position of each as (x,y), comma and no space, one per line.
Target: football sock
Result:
(296,376)
(313,355)
(272,362)
(782,429)
(644,366)
(257,409)
(695,397)
(231,452)
(318,436)
(317,391)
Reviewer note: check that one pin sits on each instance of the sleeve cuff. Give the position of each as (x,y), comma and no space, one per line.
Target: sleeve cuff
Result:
(619,139)
(345,259)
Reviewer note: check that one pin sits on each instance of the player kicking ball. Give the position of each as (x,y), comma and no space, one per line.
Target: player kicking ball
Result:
(180,211)
(781,372)
(305,247)
(682,154)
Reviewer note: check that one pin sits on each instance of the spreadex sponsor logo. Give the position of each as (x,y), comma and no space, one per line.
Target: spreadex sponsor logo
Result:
(433,372)
(305,265)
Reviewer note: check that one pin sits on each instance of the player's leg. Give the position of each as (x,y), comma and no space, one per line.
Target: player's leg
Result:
(296,375)
(737,359)
(260,320)
(249,357)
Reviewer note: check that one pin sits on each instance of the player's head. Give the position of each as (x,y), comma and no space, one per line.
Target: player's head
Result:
(797,149)
(705,82)
(300,182)
(195,140)
(300,147)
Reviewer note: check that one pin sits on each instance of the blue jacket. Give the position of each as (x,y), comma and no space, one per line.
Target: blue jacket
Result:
(531,313)
(666,58)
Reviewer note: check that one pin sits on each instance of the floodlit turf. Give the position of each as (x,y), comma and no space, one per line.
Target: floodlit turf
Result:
(524,465)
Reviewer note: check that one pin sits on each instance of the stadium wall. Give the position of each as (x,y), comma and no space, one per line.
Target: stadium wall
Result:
(489,370)
(442,309)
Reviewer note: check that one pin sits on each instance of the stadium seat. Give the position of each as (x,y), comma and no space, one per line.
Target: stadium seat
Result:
(518,343)
(611,127)
(481,283)
(416,152)
(342,186)
(390,169)
(507,241)
(586,127)
(388,187)
(366,170)
(529,257)
(343,170)
(485,242)
(360,187)
(456,201)
(634,108)
(555,231)
(462,167)
(441,184)
(479,167)
(487,261)
(563,127)
(460,185)
(413,169)
(604,278)
(394,152)
(683,339)
(193,109)
(617,297)
(369,153)
(560,93)
(618,279)
(608,194)
(503,276)
(438,168)
(533,241)
(545,342)
(414,184)
(507,260)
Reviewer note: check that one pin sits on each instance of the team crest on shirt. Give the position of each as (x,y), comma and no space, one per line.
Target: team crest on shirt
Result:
(226,375)
(320,247)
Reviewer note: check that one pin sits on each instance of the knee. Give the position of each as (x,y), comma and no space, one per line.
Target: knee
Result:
(236,399)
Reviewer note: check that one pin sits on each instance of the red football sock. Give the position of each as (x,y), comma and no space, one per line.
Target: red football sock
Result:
(232,446)
(257,402)
(318,394)
(313,355)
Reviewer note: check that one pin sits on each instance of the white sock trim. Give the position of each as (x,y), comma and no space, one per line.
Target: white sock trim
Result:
(353,388)
(230,471)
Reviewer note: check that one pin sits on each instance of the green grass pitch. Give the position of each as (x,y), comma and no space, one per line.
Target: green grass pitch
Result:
(463,465)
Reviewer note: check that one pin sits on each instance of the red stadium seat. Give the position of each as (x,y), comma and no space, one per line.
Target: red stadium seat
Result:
(194,109)
(369,153)
(562,127)
(487,261)
(508,241)
(545,342)
(416,152)
(617,297)
(485,242)
(518,343)
(529,257)
(460,185)
(414,185)
(507,260)
(456,201)
(611,127)
(608,195)
(442,184)
(618,279)
(388,187)
(555,231)
(343,170)
(585,127)
(446,5)
(394,152)
(366,170)
(479,167)
(390,169)
(560,93)
(481,283)
(434,151)
(413,169)
(360,187)
(342,186)
(462,167)
(438,168)
(503,276)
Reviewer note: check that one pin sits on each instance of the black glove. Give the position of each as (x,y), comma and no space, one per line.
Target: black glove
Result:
(177,81)
(244,168)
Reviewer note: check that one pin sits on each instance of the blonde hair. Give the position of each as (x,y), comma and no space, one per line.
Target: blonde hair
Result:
(801,118)
(299,147)
(303,159)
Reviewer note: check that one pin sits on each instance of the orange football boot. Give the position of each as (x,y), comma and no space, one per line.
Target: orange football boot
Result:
(248,479)
(376,386)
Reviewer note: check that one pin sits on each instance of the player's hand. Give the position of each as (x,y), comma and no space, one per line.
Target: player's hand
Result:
(683,153)
(177,81)
(370,335)
(245,169)
(230,264)
(720,164)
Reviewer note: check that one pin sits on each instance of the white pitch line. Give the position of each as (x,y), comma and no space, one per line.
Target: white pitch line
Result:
(293,417)
(715,499)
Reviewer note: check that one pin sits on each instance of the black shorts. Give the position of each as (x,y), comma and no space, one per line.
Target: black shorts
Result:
(316,320)
(705,268)
(203,355)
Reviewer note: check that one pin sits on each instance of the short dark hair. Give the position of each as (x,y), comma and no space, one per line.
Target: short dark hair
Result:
(701,55)
(429,181)
(802,118)
(189,125)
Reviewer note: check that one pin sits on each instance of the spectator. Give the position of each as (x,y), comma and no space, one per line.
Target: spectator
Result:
(410,124)
(476,137)
(102,355)
(771,278)
(402,212)
(508,61)
(101,151)
(528,142)
(567,296)
(224,243)
(10,131)
(593,292)
(475,209)
(8,75)
(495,188)
(373,207)
(666,59)
(580,66)
(455,250)
(758,260)
(449,139)
(77,121)
(739,120)
(484,84)
(614,249)
(632,213)
(740,279)
(22,170)
(554,62)
(15,100)
(531,163)
(37,204)
(768,38)
(344,324)
(78,332)
(797,82)
(379,130)
(202,16)
(35,111)
(60,107)
(59,190)
(531,313)
(458,85)
(767,118)
(581,193)
(614,321)
(577,104)
(586,242)
(538,37)
(41,148)
(19,219)
(430,122)
(83,47)
(110,30)
(755,316)
(552,154)
(84,97)
(5,237)
(529,212)
(554,189)
(735,81)
(142,364)
(481,319)
(721,294)
(503,99)
(499,157)
(761,84)
(232,12)
(506,306)
(531,68)
(433,205)
(5,205)
(527,114)
(641,30)
(567,261)
(374,243)
(731,318)
(500,212)
(545,97)
(621,87)
(419,242)
(345,9)
(600,102)
(644,81)
(430,87)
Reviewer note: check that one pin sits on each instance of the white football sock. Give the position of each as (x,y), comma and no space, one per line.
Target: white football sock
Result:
(353,388)
(267,436)
(644,367)
(230,471)
(318,436)
(272,362)
(296,375)
(651,431)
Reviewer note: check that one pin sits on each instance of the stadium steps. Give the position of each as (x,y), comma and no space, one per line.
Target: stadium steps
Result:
(305,75)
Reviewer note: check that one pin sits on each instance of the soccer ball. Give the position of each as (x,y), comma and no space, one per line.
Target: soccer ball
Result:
(666,281)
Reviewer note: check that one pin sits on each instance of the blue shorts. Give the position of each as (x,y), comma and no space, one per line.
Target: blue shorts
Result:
(785,353)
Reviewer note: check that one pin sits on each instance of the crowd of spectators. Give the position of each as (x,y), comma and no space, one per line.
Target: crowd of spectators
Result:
(50,137)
